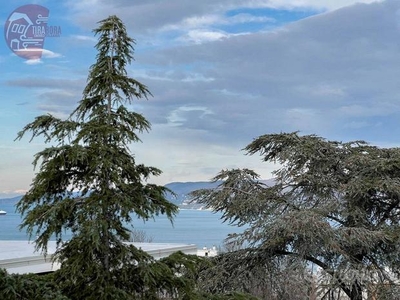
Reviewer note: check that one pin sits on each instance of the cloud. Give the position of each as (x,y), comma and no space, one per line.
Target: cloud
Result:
(84,38)
(252,82)
(153,15)
(189,155)
(302,119)
(216,87)
(371,110)
(50,54)
(45,54)
(323,91)
(51,83)
(57,96)
(322,4)
(34,61)
(205,21)
(186,114)
(59,103)
(166,23)
(201,36)
(313,75)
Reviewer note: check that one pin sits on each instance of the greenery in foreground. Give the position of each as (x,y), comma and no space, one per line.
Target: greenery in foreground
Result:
(334,207)
(89,183)
(173,277)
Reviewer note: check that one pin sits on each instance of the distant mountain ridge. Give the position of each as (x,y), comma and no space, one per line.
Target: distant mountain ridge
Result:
(12,200)
(181,190)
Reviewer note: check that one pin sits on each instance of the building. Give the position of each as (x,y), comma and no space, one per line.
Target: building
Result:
(19,257)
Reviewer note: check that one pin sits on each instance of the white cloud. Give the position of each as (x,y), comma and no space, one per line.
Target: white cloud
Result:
(204,21)
(248,18)
(84,38)
(323,90)
(34,61)
(45,54)
(199,21)
(184,114)
(50,54)
(190,156)
(328,90)
(201,36)
(319,4)
(197,77)
(369,110)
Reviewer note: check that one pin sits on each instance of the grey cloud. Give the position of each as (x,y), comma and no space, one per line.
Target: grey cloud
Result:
(144,17)
(300,77)
(141,15)
(55,96)
(58,102)
(32,82)
(272,81)
(335,74)
(150,15)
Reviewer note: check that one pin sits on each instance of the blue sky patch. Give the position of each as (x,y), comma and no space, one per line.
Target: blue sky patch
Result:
(263,18)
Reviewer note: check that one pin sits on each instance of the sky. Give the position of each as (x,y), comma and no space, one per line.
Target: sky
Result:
(222,73)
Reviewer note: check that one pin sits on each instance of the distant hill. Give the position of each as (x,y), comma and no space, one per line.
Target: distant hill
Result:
(12,200)
(181,189)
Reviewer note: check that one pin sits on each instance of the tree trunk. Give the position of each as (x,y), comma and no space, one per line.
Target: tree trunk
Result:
(356,291)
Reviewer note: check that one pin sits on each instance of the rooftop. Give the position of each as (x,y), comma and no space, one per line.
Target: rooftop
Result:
(20,256)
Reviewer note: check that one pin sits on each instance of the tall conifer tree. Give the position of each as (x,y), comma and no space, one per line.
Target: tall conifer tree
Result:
(332,205)
(89,183)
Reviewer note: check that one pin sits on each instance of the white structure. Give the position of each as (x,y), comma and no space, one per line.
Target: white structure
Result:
(208,251)
(20,257)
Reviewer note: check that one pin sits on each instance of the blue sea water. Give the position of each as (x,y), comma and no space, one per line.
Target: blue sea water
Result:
(201,227)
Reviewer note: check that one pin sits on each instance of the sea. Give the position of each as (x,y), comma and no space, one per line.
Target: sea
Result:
(203,228)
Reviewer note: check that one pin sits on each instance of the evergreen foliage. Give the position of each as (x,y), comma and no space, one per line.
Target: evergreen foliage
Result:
(90,185)
(89,156)
(29,287)
(334,206)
